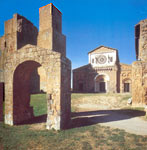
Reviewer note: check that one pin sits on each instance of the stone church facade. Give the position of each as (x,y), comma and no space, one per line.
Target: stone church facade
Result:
(103,74)
(30,60)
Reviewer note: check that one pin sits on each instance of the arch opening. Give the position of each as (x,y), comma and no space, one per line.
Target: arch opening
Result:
(26,81)
(101,83)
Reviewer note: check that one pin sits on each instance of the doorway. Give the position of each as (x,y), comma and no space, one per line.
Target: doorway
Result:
(101,82)
(102,87)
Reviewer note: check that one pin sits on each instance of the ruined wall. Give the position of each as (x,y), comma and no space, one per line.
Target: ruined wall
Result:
(1,100)
(22,63)
(55,67)
(139,83)
(18,32)
(50,29)
(139,68)
(10,34)
(26,32)
(141,40)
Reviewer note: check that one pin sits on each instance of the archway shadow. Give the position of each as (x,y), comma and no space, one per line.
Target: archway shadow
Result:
(81,119)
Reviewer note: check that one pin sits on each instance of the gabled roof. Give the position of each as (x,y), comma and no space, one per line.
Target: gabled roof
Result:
(103,47)
(82,67)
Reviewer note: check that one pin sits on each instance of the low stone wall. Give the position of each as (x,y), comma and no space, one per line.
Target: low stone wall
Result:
(139,83)
(1,101)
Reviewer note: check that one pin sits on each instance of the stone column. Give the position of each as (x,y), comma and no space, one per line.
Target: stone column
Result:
(1,100)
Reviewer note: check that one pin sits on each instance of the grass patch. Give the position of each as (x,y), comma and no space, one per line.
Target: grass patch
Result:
(23,138)
(94,137)
(39,103)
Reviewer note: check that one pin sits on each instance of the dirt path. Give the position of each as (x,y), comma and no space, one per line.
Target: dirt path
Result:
(129,120)
(106,113)
(133,125)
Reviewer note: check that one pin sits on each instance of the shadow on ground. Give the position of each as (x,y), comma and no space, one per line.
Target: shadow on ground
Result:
(80,119)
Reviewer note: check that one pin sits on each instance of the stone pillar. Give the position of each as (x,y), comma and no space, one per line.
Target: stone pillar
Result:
(1,100)
(58,95)
(53,115)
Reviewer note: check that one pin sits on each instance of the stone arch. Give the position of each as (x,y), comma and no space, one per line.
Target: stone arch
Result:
(127,85)
(101,82)
(57,71)
(21,91)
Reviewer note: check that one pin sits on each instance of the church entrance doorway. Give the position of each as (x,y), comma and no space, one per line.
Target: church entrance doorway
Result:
(101,83)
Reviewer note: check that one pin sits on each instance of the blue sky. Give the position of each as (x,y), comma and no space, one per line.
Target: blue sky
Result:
(87,24)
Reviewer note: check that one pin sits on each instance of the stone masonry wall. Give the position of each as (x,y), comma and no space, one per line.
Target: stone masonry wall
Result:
(18,32)
(51,62)
(139,83)
(26,32)
(50,29)
(23,52)
(139,68)
(141,40)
